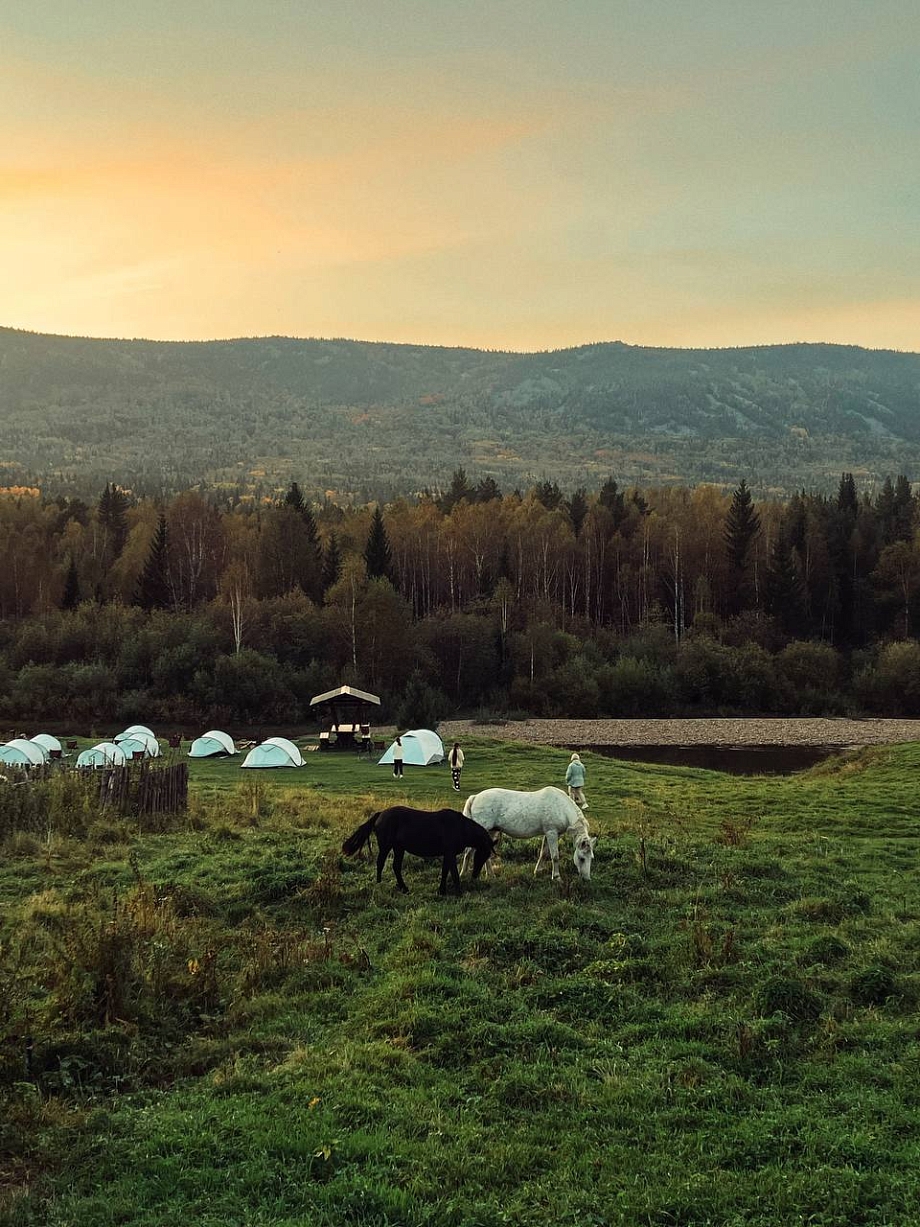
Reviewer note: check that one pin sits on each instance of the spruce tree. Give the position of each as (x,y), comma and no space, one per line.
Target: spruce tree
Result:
(71,595)
(578,509)
(153,587)
(332,562)
(377,550)
(741,528)
(784,590)
(847,498)
(486,490)
(458,490)
(113,518)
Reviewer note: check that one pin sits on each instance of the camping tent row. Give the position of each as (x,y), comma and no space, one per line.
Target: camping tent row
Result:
(421,748)
(212,744)
(274,752)
(30,751)
(135,742)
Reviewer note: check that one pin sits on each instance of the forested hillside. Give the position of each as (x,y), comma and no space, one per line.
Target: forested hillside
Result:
(663,601)
(368,420)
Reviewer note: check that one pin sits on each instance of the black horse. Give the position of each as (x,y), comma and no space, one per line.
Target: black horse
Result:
(444,833)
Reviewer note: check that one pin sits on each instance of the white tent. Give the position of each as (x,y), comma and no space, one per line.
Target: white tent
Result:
(269,754)
(132,747)
(212,743)
(288,747)
(23,753)
(47,742)
(144,738)
(421,748)
(105,754)
(135,728)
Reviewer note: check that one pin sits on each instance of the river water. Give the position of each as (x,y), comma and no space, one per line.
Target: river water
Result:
(736,760)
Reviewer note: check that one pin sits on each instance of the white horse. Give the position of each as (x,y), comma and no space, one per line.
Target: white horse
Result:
(524,815)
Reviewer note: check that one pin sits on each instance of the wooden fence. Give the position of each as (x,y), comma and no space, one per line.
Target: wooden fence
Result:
(65,798)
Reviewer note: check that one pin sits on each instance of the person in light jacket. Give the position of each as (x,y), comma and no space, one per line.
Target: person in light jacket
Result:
(398,758)
(575,779)
(455,761)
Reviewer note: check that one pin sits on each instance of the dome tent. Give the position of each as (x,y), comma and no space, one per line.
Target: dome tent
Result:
(105,754)
(22,753)
(144,739)
(132,747)
(47,742)
(288,747)
(135,728)
(211,744)
(269,755)
(421,748)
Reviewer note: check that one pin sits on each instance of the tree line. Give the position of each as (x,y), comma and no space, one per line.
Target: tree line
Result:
(616,601)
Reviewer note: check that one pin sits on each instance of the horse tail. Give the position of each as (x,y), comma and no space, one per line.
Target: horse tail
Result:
(358,838)
(468,806)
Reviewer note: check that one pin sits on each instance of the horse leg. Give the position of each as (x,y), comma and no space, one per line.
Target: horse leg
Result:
(466,857)
(452,866)
(552,843)
(383,851)
(397,869)
(540,857)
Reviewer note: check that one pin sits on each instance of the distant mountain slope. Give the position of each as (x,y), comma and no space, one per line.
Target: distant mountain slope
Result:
(373,418)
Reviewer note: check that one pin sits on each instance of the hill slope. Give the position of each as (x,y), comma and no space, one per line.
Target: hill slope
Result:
(372,418)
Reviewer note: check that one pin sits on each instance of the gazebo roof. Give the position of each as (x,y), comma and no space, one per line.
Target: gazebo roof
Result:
(345,692)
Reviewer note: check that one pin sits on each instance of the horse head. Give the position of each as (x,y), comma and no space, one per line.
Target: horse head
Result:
(482,851)
(584,854)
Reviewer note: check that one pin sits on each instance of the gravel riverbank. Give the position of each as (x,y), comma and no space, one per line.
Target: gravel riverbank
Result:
(694,732)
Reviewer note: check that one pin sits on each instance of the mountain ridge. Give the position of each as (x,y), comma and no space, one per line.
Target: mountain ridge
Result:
(373,418)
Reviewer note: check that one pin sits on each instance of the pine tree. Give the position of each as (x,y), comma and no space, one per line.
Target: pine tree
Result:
(377,550)
(113,518)
(578,509)
(332,562)
(71,596)
(458,490)
(153,587)
(548,493)
(847,498)
(486,490)
(742,526)
(294,498)
(904,509)
(784,591)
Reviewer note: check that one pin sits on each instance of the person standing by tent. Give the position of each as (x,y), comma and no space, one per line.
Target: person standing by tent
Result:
(575,779)
(398,759)
(455,761)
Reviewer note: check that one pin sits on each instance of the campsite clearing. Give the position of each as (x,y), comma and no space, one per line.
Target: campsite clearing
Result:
(720,1028)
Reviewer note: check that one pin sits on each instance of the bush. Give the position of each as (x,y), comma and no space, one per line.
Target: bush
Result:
(635,687)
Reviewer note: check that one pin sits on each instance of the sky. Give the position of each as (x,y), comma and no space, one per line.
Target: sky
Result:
(525,175)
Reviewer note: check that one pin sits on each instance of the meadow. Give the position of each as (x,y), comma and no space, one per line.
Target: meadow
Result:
(220,1020)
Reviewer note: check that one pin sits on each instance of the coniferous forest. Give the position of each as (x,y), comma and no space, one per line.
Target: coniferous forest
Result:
(606,602)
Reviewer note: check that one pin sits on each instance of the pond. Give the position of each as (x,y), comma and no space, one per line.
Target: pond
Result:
(736,760)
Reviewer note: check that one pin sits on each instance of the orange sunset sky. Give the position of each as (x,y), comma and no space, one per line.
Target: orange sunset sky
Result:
(506,175)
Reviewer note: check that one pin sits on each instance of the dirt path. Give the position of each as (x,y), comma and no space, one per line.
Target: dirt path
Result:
(740,732)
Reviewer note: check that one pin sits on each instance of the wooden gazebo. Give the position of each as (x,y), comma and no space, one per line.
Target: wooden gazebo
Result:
(346,714)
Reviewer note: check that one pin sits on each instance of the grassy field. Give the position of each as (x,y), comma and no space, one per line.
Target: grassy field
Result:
(224,1022)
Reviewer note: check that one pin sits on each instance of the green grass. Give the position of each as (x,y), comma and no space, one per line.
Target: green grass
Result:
(720,1029)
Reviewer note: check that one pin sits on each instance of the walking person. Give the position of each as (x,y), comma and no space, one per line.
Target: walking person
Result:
(398,759)
(455,760)
(575,779)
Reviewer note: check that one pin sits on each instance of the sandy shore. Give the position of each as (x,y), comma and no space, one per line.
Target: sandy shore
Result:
(729,732)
